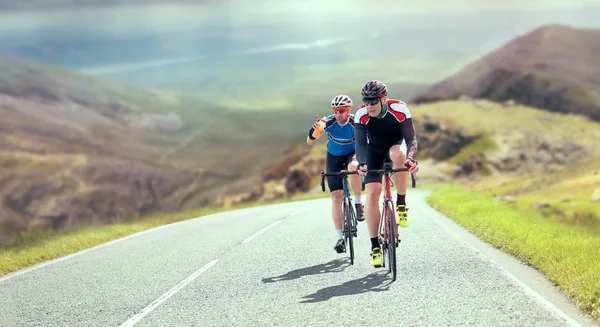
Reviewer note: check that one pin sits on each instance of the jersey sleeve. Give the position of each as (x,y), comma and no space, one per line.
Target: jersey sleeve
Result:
(410,137)
(360,134)
(402,113)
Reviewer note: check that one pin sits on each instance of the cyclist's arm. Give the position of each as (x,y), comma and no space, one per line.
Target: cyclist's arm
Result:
(360,134)
(408,130)
(328,120)
(310,140)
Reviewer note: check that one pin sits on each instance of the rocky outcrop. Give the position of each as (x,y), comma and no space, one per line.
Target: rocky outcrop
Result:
(473,164)
(439,141)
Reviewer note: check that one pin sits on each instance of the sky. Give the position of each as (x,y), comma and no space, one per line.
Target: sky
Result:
(310,23)
(314,5)
(155,15)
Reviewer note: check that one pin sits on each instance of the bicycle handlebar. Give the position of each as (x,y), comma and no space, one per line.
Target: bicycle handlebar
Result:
(373,171)
(340,173)
(383,171)
(394,170)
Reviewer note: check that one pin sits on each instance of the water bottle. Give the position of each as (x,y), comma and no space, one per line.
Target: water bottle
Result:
(320,128)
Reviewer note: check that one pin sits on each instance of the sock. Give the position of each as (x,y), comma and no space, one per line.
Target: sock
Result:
(357,199)
(374,242)
(401,199)
(339,233)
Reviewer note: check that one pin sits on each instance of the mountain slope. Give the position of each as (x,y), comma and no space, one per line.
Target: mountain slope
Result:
(556,68)
(76,150)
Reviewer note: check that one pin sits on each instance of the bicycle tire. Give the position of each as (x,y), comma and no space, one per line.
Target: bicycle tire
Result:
(349,235)
(382,234)
(386,233)
(391,241)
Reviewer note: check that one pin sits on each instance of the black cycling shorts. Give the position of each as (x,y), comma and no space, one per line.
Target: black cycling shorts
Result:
(334,164)
(375,159)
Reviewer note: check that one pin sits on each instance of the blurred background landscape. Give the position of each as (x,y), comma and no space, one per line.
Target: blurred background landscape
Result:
(117,109)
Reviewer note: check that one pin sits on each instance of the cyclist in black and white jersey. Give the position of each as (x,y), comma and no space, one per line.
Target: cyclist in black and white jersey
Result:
(381,125)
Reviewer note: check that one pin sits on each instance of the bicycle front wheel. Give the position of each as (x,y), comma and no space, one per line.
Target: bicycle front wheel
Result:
(349,218)
(391,240)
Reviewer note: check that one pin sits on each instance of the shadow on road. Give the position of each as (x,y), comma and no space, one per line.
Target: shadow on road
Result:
(333,266)
(375,282)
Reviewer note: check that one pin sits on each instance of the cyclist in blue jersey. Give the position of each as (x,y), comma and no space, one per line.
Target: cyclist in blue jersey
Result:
(339,128)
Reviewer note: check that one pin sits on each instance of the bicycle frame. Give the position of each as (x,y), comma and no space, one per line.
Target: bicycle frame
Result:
(388,204)
(347,200)
(346,195)
(349,221)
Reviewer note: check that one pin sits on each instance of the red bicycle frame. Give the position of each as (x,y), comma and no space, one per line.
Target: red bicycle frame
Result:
(388,205)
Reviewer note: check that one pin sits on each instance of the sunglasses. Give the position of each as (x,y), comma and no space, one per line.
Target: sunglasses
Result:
(340,110)
(371,101)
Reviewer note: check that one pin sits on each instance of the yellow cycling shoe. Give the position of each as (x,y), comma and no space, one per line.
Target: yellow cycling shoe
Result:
(376,258)
(403,220)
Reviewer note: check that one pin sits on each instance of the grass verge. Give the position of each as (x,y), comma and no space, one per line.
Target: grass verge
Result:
(29,250)
(568,255)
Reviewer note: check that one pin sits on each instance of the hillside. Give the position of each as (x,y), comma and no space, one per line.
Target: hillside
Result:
(555,67)
(76,150)
(532,158)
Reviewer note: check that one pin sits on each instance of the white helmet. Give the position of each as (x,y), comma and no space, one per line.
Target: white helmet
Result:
(341,100)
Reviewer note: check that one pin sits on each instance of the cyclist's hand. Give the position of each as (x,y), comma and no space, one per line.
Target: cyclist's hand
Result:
(315,124)
(412,165)
(362,170)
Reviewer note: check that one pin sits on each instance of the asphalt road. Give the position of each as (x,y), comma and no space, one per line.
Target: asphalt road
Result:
(275,266)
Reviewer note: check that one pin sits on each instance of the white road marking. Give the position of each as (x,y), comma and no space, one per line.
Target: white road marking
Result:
(133,320)
(72,255)
(543,301)
(297,213)
(253,236)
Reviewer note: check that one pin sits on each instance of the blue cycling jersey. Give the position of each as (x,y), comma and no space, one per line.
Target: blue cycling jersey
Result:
(340,138)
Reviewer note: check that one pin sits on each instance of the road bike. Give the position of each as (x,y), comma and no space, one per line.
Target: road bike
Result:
(388,227)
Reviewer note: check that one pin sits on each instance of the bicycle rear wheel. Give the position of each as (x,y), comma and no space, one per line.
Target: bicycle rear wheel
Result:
(391,240)
(348,212)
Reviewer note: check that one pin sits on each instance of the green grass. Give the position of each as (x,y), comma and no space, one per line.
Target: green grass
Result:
(32,249)
(568,255)
(568,193)
(484,142)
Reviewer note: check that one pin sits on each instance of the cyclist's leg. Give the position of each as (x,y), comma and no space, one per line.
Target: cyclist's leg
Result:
(356,185)
(334,164)
(400,181)
(373,185)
